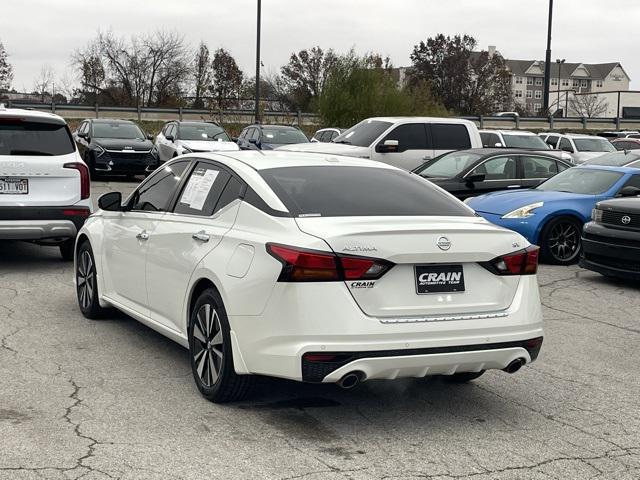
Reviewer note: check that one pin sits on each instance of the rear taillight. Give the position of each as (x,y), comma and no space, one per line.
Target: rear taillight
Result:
(522,262)
(303,265)
(76,212)
(85,182)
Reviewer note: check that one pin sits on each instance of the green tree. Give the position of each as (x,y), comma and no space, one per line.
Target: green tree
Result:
(6,70)
(201,74)
(358,88)
(305,75)
(227,78)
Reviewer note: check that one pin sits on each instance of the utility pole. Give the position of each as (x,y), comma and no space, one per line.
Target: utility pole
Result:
(547,63)
(257,113)
(559,62)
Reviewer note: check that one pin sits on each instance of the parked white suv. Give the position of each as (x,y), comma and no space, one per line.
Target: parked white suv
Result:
(44,184)
(178,138)
(580,147)
(404,142)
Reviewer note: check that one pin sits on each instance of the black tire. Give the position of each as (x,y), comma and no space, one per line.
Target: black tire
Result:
(463,377)
(86,283)
(560,241)
(210,351)
(67,249)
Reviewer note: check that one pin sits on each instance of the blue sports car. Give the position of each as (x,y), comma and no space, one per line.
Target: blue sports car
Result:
(552,214)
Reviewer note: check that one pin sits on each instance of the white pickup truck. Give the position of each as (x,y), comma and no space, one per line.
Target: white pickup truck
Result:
(404,142)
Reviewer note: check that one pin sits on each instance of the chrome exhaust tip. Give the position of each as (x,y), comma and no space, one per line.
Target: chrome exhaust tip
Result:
(350,380)
(515,365)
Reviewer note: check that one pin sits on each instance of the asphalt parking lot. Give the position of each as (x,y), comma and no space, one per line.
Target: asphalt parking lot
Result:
(114,399)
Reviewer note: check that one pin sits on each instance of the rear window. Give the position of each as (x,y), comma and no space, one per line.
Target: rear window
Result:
(450,136)
(34,138)
(525,141)
(593,145)
(329,191)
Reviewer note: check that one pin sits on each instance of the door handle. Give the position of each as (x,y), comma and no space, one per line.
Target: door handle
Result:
(201,236)
(514,186)
(143,235)
(426,157)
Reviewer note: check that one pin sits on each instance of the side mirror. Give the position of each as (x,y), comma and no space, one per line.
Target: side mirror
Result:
(83,135)
(253,141)
(170,138)
(389,146)
(498,145)
(149,136)
(474,178)
(566,149)
(629,191)
(110,202)
(234,139)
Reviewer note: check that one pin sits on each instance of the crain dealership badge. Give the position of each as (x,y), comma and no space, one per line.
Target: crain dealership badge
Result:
(443,243)
(626,219)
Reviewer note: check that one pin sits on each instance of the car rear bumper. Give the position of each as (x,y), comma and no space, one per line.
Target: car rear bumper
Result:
(611,251)
(42,223)
(324,319)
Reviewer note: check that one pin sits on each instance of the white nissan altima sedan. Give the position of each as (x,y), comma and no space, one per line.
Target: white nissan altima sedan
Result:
(311,267)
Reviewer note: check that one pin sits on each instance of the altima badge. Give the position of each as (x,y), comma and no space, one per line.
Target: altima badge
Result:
(359,248)
(443,243)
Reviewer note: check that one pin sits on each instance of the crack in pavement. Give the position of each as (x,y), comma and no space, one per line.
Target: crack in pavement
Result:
(584,317)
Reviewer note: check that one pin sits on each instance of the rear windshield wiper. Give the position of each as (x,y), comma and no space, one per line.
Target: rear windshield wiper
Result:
(30,152)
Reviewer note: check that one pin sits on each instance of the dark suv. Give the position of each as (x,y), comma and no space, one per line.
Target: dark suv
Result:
(115,147)
(268,137)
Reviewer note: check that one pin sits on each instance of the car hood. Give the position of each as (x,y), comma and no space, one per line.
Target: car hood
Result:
(331,148)
(123,144)
(580,157)
(209,145)
(500,203)
(626,205)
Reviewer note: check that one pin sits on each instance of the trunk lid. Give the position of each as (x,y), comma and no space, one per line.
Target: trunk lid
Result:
(411,242)
(48,182)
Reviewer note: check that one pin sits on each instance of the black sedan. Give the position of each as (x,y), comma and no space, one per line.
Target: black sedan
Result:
(611,241)
(467,173)
(115,147)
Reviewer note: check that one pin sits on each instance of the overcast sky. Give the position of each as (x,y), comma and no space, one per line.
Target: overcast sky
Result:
(37,32)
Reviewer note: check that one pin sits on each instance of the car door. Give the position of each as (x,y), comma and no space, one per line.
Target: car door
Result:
(414,146)
(126,236)
(536,169)
(161,141)
(204,211)
(500,173)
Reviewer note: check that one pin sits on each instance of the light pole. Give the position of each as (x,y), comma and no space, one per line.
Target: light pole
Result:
(257,112)
(559,62)
(547,64)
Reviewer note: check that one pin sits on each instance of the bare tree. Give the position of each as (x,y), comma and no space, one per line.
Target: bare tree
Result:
(44,81)
(92,72)
(6,70)
(167,64)
(202,74)
(588,105)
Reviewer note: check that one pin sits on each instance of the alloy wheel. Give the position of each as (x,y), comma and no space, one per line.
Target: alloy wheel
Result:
(85,279)
(564,241)
(207,345)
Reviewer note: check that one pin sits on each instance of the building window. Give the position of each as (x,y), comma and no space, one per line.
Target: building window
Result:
(538,94)
(599,83)
(518,94)
(583,83)
(565,82)
(537,107)
(518,80)
(576,83)
(538,81)
(529,80)
(529,93)
(554,82)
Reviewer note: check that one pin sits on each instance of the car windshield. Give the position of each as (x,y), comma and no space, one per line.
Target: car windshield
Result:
(448,165)
(581,180)
(614,159)
(533,142)
(593,145)
(204,132)
(336,191)
(127,131)
(364,133)
(283,136)
(18,137)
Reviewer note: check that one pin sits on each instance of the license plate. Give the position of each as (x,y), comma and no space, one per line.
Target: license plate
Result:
(14,186)
(439,279)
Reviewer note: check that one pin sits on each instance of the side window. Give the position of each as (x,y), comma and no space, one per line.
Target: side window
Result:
(333,135)
(493,139)
(255,134)
(165,129)
(565,145)
(499,168)
(175,131)
(242,134)
(84,128)
(562,166)
(231,192)
(450,136)
(202,191)
(634,181)
(410,136)
(155,193)
(552,140)
(538,167)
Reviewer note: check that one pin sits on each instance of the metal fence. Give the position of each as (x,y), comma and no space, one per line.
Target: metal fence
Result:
(245,116)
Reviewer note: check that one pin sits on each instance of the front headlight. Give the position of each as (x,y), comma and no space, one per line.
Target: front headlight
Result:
(98,150)
(524,212)
(596,215)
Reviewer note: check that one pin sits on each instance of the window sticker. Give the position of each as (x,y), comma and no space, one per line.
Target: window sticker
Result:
(203,188)
(190,189)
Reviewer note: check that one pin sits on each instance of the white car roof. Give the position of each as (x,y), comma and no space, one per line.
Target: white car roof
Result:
(261,160)
(31,114)
(509,132)
(421,119)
